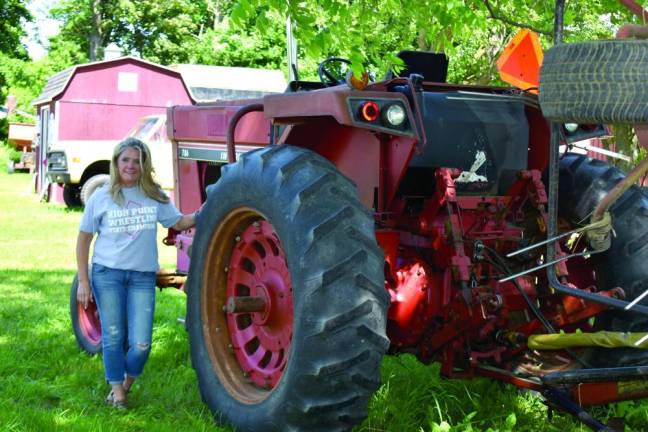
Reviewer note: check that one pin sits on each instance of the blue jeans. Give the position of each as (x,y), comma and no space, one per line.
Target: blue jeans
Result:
(126,302)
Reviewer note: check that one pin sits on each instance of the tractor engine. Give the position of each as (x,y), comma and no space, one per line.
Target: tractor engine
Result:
(450,229)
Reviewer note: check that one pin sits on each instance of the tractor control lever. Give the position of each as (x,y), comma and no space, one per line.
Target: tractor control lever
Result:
(594,226)
(547,264)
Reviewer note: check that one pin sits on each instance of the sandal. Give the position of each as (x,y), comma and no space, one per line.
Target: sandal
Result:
(120,404)
(116,403)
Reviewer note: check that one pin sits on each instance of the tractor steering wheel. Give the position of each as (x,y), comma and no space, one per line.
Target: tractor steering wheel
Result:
(329,77)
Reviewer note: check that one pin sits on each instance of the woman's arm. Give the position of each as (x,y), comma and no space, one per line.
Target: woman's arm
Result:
(84,293)
(186,221)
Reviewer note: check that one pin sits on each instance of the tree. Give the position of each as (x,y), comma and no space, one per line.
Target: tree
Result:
(370,32)
(167,32)
(88,24)
(13,13)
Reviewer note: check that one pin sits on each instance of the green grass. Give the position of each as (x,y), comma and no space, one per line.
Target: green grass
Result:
(48,384)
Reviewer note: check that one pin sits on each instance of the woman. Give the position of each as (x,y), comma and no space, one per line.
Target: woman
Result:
(124,215)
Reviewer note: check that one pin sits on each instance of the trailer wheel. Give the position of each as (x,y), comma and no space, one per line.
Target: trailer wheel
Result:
(583,183)
(596,82)
(91,185)
(85,322)
(284,242)
(71,195)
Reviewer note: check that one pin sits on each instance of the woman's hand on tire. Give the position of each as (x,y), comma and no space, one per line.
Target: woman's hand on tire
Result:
(84,294)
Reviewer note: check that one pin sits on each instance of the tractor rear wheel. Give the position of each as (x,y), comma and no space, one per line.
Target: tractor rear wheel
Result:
(85,322)
(286,306)
(583,183)
(596,82)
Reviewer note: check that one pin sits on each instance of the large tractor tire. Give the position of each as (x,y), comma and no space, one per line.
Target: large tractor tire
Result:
(85,322)
(596,82)
(583,183)
(91,185)
(284,227)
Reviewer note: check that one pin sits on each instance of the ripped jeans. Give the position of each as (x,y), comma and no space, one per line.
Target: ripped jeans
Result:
(126,302)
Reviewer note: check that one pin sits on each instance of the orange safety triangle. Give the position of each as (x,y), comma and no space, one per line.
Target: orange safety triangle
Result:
(519,64)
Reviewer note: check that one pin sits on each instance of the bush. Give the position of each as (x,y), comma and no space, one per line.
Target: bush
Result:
(11,153)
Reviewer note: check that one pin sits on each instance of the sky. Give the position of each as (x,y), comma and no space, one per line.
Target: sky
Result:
(41,29)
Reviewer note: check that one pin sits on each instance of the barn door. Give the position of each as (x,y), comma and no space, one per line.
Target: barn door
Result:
(43,147)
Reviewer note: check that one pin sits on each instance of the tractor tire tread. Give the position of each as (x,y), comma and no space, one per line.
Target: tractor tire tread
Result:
(338,291)
(595,82)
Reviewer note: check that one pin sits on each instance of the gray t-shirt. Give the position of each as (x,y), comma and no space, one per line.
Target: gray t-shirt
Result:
(127,236)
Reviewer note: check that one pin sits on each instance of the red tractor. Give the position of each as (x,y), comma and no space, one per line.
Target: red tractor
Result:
(414,216)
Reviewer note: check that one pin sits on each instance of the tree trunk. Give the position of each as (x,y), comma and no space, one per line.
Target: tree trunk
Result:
(95,32)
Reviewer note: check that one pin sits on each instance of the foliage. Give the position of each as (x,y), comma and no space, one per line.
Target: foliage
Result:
(471,32)
(11,154)
(87,24)
(25,79)
(169,32)
(12,14)
(244,48)
(369,32)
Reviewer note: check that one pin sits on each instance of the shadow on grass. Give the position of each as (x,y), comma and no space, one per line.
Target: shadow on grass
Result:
(35,311)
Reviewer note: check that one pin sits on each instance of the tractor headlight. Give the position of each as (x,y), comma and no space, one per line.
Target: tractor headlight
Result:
(395,115)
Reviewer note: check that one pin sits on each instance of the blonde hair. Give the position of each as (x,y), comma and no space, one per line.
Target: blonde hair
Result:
(146,183)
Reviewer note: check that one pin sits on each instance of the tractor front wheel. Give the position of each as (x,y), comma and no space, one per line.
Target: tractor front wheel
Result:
(286,306)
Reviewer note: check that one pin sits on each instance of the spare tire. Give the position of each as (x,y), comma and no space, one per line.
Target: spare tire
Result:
(583,183)
(596,82)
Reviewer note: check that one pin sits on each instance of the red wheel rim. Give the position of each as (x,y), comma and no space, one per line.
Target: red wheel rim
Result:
(89,324)
(249,349)
(261,340)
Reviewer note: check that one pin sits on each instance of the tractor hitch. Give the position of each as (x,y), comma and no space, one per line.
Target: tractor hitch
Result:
(559,400)
(621,383)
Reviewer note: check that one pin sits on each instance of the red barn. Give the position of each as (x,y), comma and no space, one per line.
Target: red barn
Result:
(87,109)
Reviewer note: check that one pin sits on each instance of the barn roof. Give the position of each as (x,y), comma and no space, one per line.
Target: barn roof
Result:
(204,83)
(54,86)
(57,83)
